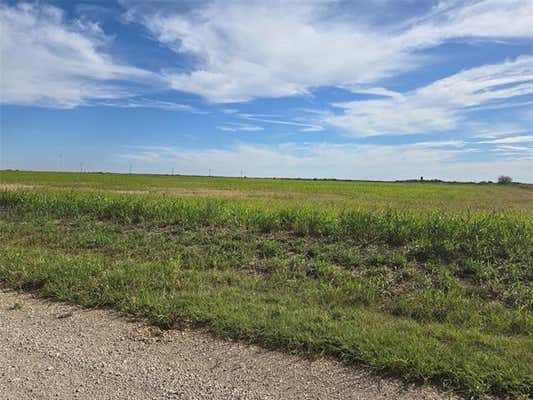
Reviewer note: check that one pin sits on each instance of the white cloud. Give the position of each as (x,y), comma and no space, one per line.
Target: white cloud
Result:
(143,156)
(400,116)
(49,61)
(493,19)
(387,162)
(304,126)
(247,49)
(514,148)
(232,127)
(446,143)
(438,106)
(378,91)
(486,132)
(517,153)
(146,103)
(512,139)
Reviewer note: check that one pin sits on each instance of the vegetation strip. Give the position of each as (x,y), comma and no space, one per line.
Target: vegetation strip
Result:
(442,297)
(419,197)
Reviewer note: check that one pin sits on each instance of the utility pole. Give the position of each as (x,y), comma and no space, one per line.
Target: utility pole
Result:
(130,168)
(242,174)
(60,161)
(209,171)
(81,167)
(172,171)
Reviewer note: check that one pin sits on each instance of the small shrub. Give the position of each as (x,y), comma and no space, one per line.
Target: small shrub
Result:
(504,180)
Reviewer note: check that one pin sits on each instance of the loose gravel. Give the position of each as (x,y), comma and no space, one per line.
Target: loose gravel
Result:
(51,350)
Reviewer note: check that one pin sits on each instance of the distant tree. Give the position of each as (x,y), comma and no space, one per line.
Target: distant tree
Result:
(504,179)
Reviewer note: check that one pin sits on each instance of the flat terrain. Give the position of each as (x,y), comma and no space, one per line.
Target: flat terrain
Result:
(90,354)
(427,282)
(326,193)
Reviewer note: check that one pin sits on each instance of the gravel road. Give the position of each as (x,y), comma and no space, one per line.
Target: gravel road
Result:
(56,351)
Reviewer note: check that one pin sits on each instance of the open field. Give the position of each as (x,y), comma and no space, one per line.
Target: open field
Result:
(339,194)
(429,282)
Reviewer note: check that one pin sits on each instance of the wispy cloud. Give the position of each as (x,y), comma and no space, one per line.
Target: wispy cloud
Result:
(444,143)
(50,61)
(247,49)
(439,105)
(233,127)
(244,51)
(517,153)
(485,132)
(146,103)
(514,148)
(143,156)
(304,126)
(488,19)
(511,139)
(301,124)
(335,160)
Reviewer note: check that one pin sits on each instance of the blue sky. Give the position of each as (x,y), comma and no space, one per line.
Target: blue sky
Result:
(373,89)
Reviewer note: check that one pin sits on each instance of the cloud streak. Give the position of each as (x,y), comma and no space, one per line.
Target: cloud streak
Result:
(233,127)
(439,106)
(512,139)
(140,102)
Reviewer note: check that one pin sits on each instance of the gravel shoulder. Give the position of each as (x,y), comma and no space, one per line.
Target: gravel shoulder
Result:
(51,350)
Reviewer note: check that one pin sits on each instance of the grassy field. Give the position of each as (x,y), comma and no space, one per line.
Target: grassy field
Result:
(338,194)
(429,282)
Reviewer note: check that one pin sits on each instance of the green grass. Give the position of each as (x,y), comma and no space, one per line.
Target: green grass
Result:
(411,196)
(443,295)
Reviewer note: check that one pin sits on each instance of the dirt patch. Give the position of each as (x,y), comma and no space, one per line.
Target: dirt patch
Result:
(15,186)
(190,192)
